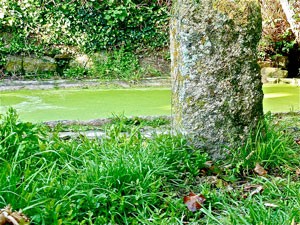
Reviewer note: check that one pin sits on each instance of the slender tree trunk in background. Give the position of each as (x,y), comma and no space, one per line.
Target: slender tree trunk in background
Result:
(216,82)
(289,13)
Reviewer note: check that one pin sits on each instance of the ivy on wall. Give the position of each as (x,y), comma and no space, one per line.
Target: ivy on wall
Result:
(38,25)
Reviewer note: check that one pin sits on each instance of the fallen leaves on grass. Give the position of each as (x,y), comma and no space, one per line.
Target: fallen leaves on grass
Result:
(8,217)
(297,141)
(253,189)
(260,170)
(194,202)
(210,169)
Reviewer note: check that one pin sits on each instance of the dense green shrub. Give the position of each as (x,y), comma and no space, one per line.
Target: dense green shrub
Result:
(89,25)
(119,64)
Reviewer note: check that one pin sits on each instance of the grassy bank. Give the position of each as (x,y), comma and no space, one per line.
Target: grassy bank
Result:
(131,179)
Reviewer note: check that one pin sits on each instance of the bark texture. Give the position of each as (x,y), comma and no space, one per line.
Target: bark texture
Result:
(216,82)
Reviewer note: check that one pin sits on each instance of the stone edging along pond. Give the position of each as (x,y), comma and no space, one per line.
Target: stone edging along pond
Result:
(6,84)
(93,133)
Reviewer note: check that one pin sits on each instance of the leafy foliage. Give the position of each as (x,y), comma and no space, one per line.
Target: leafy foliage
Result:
(118,64)
(277,39)
(89,25)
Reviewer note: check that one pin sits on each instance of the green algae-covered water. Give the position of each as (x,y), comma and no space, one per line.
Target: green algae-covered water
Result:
(86,104)
(281,98)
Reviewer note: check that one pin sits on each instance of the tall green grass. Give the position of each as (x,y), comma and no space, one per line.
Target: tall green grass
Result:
(277,204)
(126,178)
(121,179)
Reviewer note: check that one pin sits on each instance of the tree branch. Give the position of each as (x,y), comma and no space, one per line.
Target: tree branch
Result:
(288,11)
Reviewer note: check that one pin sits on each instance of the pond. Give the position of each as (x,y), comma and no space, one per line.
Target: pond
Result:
(86,104)
(281,98)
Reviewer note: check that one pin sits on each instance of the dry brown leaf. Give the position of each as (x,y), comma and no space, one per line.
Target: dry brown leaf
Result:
(253,189)
(297,172)
(7,216)
(2,219)
(257,190)
(208,164)
(249,187)
(213,180)
(194,202)
(260,170)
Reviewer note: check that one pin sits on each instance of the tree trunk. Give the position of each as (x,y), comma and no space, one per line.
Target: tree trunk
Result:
(289,13)
(216,82)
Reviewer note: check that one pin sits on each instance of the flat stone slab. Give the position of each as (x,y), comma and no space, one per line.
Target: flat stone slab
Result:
(7,84)
(99,122)
(43,64)
(97,134)
(146,131)
(292,81)
(13,64)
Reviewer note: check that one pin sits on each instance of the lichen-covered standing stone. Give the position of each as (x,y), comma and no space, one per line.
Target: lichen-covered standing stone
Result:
(216,82)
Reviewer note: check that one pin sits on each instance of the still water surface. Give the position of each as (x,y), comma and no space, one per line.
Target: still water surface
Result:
(86,104)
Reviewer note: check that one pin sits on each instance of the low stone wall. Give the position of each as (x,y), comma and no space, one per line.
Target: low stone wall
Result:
(46,64)
(274,70)
(30,64)
(99,122)
(58,63)
(271,73)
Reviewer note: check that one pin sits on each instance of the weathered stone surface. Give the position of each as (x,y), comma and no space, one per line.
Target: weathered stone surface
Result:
(263,64)
(272,72)
(88,61)
(217,89)
(281,61)
(43,64)
(66,56)
(100,56)
(81,61)
(13,64)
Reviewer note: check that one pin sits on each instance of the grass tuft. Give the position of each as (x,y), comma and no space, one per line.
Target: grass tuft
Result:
(270,146)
